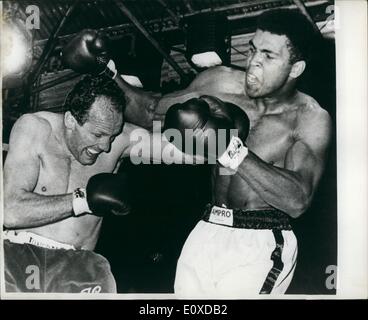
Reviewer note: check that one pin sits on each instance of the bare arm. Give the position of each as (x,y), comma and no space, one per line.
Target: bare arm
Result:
(217,81)
(140,104)
(143,146)
(291,188)
(143,107)
(23,207)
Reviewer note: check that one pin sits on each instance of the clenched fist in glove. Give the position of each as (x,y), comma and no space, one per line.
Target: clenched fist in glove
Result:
(87,53)
(217,129)
(106,193)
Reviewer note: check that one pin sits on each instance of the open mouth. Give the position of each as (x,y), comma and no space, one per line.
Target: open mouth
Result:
(91,152)
(251,79)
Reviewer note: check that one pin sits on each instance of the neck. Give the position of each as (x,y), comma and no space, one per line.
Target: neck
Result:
(278,102)
(64,141)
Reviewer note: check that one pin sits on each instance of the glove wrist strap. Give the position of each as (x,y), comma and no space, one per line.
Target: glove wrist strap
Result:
(234,155)
(80,204)
(110,70)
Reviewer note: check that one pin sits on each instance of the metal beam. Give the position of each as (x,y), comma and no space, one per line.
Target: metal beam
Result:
(188,6)
(169,11)
(52,83)
(241,12)
(147,35)
(44,86)
(302,8)
(50,45)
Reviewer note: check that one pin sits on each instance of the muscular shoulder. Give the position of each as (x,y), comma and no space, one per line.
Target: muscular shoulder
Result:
(221,78)
(32,123)
(310,110)
(34,127)
(313,120)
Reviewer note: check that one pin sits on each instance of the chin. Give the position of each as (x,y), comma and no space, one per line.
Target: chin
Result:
(253,94)
(87,162)
(256,94)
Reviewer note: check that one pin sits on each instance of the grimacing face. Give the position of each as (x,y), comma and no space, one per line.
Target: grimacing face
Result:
(88,141)
(268,65)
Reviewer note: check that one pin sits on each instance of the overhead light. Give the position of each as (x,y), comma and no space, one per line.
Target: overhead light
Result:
(206,59)
(16,49)
(208,41)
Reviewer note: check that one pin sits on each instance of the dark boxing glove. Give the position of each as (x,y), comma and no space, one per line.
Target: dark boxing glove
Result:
(219,128)
(106,193)
(236,150)
(87,53)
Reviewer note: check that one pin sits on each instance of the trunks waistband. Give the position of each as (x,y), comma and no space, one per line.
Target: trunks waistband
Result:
(247,219)
(24,237)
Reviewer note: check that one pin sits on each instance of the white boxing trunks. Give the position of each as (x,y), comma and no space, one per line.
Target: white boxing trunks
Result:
(233,253)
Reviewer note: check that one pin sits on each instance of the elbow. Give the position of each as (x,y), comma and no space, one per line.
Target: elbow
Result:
(11,220)
(296,212)
(299,205)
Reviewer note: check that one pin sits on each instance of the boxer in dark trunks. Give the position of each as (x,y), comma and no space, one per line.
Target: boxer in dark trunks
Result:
(58,184)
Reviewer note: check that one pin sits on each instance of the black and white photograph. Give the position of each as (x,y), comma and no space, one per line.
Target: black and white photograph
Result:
(176,149)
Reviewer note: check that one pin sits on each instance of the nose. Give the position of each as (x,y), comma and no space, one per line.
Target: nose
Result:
(104,145)
(255,59)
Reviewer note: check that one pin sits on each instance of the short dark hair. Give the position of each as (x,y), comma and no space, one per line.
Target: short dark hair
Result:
(85,92)
(295,26)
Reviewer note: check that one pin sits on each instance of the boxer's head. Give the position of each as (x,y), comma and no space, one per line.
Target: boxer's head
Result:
(93,117)
(279,51)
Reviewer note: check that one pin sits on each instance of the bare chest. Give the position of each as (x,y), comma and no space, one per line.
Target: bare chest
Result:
(59,175)
(270,137)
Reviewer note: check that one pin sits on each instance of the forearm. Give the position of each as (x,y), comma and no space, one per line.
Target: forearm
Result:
(127,88)
(140,104)
(143,107)
(164,151)
(28,209)
(280,188)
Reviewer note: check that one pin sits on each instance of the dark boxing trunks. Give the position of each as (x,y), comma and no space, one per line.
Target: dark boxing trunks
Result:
(32,268)
(247,219)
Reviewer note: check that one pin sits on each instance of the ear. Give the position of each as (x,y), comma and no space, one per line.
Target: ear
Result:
(297,69)
(69,120)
